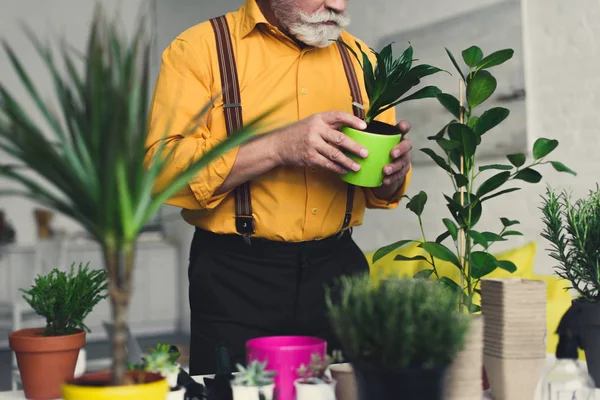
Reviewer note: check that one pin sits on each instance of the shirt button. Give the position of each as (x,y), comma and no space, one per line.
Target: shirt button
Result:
(304,91)
(313,169)
(315,211)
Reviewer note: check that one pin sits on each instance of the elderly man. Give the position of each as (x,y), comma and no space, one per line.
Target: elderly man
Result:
(272,218)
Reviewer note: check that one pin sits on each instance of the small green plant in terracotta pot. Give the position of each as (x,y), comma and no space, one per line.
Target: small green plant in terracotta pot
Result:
(47,356)
(385,84)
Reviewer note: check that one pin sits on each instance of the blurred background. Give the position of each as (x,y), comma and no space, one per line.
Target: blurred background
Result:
(551,86)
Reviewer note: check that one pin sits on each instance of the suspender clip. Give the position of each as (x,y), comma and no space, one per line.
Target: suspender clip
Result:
(244,224)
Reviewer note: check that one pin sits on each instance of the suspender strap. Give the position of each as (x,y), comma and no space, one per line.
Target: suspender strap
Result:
(232,107)
(359,111)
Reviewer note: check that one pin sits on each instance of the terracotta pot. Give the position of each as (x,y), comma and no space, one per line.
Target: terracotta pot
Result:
(96,386)
(45,362)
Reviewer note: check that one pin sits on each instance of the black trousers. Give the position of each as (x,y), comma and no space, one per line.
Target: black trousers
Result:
(239,291)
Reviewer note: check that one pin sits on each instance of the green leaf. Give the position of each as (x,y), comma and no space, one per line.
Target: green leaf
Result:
(451,103)
(490,119)
(492,237)
(448,145)
(560,167)
(384,251)
(423,274)
(451,285)
(542,147)
(482,264)
(462,75)
(400,257)
(417,203)
(443,236)
(472,56)
(516,159)
(461,180)
(478,238)
(438,135)
(493,183)
(437,159)
(505,191)
(496,166)
(472,122)
(425,93)
(480,88)
(512,233)
(440,252)
(507,222)
(507,265)
(467,138)
(529,175)
(452,228)
(496,58)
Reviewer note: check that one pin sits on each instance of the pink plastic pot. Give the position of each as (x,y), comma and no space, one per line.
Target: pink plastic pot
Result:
(285,354)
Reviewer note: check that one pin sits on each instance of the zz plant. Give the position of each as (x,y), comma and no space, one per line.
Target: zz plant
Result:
(463,243)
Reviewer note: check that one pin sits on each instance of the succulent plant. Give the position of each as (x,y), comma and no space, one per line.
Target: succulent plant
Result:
(253,374)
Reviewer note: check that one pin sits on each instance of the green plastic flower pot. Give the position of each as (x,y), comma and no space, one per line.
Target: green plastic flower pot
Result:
(379,145)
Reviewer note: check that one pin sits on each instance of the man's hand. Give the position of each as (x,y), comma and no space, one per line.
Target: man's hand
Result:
(395,172)
(316,142)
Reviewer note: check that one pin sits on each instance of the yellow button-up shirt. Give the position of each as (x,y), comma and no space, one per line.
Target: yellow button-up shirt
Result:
(288,203)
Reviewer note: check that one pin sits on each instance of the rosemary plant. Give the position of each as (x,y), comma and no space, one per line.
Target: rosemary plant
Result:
(66,299)
(573,230)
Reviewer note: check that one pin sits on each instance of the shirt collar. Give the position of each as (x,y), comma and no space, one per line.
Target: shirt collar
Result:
(251,16)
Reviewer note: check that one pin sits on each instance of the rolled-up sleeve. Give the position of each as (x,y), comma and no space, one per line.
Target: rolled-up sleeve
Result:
(183,89)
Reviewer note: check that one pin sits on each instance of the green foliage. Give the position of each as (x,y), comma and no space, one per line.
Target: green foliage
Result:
(160,359)
(314,373)
(397,323)
(573,230)
(461,243)
(254,374)
(390,78)
(65,299)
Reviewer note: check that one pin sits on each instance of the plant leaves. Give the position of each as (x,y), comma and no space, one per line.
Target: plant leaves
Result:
(453,286)
(493,183)
(384,251)
(480,88)
(453,59)
(472,56)
(542,147)
(492,237)
(560,167)
(417,203)
(425,93)
(482,263)
(512,233)
(448,145)
(517,159)
(496,166)
(507,222)
(507,265)
(401,257)
(505,191)
(443,236)
(437,159)
(452,228)
(423,274)
(490,119)
(466,136)
(496,58)
(478,238)
(461,180)
(529,175)
(440,252)
(451,103)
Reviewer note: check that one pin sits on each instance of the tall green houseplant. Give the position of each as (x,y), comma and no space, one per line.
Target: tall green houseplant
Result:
(87,161)
(461,243)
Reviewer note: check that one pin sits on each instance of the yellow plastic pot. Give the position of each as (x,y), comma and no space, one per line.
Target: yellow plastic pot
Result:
(379,145)
(96,386)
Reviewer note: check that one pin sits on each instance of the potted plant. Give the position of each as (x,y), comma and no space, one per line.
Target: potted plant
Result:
(400,335)
(573,230)
(385,84)
(163,360)
(253,382)
(46,357)
(314,383)
(91,164)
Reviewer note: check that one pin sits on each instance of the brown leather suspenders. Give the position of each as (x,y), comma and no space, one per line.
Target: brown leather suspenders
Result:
(244,221)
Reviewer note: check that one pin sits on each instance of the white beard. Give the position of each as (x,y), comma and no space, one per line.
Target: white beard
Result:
(310,29)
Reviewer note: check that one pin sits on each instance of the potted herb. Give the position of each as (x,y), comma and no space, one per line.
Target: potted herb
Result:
(400,335)
(46,357)
(253,382)
(573,230)
(163,360)
(314,383)
(385,84)
(91,164)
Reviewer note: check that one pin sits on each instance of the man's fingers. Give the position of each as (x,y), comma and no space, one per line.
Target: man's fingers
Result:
(337,156)
(339,118)
(397,176)
(327,163)
(405,146)
(338,139)
(404,126)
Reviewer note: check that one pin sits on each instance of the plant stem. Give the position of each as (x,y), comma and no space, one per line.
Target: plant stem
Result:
(424,240)
(119,264)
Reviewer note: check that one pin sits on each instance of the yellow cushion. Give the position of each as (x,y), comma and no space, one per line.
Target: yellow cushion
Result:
(558,300)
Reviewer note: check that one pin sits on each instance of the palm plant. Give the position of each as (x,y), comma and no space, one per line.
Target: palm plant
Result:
(92,165)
